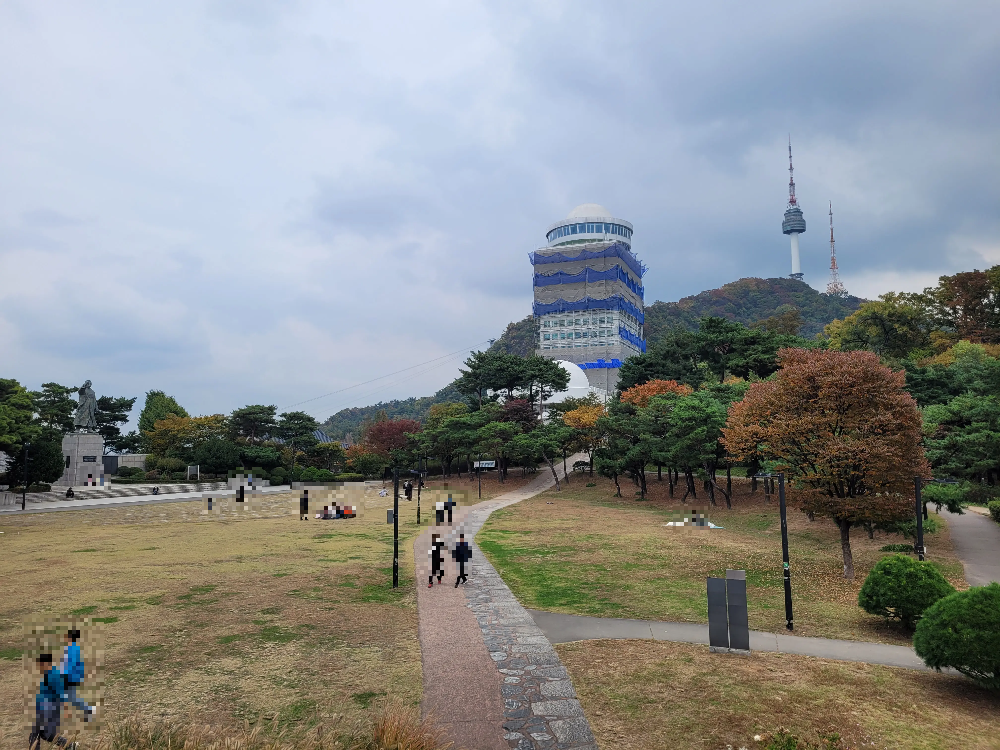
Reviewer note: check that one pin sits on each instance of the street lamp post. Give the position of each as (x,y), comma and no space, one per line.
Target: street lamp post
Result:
(395,527)
(919,510)
(24,489)
(479,475)
(784,552)
(786,570)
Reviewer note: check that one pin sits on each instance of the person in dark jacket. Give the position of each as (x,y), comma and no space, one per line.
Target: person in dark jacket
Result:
(436,553)
(48,703)
(304,505)
(462,554)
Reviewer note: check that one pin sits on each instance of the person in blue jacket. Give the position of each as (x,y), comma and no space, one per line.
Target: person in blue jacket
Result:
(48,703)
(73,672)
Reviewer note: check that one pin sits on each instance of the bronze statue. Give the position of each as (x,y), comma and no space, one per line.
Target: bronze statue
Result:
(86,413)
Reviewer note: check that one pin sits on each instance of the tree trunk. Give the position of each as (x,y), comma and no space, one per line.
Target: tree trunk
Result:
(552,468)
(618,487)
(729,483)
(709,483)
(753,484)
(659,473)
(670,479)
(845,546)
(642,483)
(565,471)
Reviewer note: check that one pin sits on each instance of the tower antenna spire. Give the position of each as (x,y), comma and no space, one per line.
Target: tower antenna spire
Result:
(794,223)
(835,288)
(791,175)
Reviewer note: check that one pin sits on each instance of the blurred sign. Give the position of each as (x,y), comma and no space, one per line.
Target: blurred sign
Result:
(485,464)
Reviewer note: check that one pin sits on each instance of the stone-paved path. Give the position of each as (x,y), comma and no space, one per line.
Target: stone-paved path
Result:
(535,706)
(977,543)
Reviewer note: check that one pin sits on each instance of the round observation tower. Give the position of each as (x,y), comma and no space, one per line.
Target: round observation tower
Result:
(589,222)
(794,223)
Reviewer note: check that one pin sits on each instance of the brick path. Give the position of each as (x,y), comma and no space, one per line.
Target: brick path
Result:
(536,707)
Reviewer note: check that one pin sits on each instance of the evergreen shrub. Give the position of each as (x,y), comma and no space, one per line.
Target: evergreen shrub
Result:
(994,508)
(901,588)
(962,631)
(348,477)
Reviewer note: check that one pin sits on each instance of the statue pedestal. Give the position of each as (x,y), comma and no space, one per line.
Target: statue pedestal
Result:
(82,454)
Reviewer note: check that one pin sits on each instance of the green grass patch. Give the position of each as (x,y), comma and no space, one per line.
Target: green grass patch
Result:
(88,610)
(154,601)
(122,607)
(279,575)
(149,649)
(300,713)
(87,550)
(365,699)
(10,654)
(106,620)
(271,611)
(228,639)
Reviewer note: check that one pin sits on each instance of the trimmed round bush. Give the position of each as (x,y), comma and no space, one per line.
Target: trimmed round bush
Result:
(962,631)
(279,476)
(901,588)
(348,477)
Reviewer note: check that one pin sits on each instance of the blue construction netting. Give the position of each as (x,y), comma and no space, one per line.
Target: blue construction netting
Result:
(617,250)
(589,275)
(601,364)
(614,302)
(626,334)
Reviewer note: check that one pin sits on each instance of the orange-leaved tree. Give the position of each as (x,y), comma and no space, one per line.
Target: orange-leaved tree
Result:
(843,430)
(639,395)
(588,434)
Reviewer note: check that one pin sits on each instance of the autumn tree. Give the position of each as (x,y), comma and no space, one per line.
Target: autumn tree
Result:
(639,395)
(584,422)
(180,437)
(843,430)
(385,435)
(892,326)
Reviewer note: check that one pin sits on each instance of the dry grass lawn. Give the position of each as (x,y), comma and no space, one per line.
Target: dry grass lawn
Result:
(583,551)
(648,695)
(241,616)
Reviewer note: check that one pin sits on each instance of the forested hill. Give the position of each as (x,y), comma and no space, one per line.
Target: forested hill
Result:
(749,301)
(348,421)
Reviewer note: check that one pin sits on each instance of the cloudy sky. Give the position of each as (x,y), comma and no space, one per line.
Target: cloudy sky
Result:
(264,202)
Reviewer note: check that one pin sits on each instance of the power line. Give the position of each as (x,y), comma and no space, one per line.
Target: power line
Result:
(382,377)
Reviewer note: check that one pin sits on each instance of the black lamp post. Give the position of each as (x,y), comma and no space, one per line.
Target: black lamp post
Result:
(395,526)
(920,511)
(24,489)
(784,544)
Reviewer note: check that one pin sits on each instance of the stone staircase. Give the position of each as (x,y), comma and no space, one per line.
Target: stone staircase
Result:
(108,491)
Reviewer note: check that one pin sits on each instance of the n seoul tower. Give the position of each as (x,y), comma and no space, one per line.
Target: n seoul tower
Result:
(793,224)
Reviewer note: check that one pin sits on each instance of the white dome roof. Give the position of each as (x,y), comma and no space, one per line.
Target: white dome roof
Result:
(590,211)
(579,385)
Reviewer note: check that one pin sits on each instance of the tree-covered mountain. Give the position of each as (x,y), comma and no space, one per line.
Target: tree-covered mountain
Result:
(777,303)
(348,421)
(520,338)
(750,301)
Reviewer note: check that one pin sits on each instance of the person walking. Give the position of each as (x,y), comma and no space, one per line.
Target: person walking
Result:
(437,559)
(304,505)
(48,703)
(73,672)
(462,554)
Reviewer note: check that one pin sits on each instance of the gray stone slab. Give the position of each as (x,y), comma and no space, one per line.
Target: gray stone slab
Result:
(569,707)
(558,689)
(572,731)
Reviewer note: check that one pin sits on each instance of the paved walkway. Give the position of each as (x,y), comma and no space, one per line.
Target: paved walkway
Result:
(491,678)
(561,628)
(977,543)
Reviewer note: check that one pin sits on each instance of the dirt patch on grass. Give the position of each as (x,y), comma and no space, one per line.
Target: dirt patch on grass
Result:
(641,695)
(583,551)
(246,615)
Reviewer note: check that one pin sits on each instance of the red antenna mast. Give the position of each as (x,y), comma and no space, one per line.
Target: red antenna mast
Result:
(835,288)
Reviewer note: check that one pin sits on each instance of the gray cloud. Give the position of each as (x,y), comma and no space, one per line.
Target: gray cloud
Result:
(264,202)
